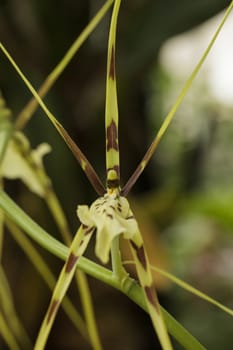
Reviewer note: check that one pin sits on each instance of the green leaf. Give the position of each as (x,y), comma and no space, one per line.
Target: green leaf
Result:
(128,286)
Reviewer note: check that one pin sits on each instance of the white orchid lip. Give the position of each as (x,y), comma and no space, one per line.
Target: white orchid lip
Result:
(111,216)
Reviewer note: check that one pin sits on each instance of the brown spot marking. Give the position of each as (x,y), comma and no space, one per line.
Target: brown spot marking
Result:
(47,190)
(112,65)
(88,231)
(112,136)
(152,297)
(70,262)
(130,217)
(140,254)
(114,183)
(117,169)
(52,309)
(110,216)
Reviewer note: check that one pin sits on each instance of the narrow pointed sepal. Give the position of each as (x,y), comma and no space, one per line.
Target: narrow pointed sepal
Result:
(111,105)
(76,250)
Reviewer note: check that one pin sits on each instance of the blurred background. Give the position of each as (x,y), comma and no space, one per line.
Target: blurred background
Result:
(184,198)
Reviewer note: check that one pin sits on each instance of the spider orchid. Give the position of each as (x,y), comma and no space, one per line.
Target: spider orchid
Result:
(110,216)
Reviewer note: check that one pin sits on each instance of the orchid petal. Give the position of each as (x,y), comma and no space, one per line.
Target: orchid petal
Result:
(111,216)
(20,162)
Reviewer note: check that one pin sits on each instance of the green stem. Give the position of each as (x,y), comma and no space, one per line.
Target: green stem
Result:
(11,318)
(57,213)
(6,127)
(1,223)
(7,334)
(86,300)
(30,108)
(192,290)
(117,267)
(46,240)
(169,117)
(187,340)
(128,286)
(82,283)
(48,277)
